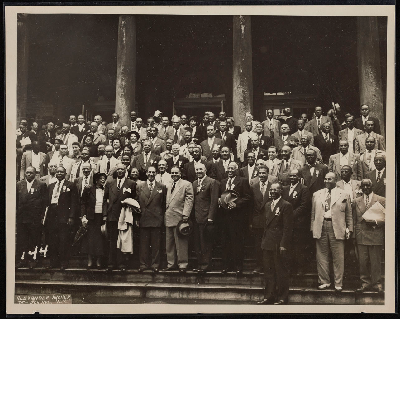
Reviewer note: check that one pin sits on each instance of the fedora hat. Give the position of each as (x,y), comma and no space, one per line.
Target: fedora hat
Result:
(227,197)
(185,228)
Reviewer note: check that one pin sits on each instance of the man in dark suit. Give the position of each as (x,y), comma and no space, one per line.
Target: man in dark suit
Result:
(289,119)
(63,208)
(275,243)
(260,196)
(250,171)
(208,144)
(221,166)
(205,207)
(145,159)
(326,142)
(264,141)
(378,176)
(285,165)
(46,137)
(228,139)
(80,129)
(232,128)
(233,219)
(116,190)
(369,237)
(369,133)
(152,199)
(283,138)
(189,172)
(176,160)
(31,202)
(299,197)
(313,174)
(115,125)
(315,124)
(86,180)
(255,148)
(361,121)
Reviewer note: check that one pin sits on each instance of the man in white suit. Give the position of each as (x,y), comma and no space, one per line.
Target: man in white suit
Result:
(350,133)
(331,224)
(33,158)
(180,200)
(108,163)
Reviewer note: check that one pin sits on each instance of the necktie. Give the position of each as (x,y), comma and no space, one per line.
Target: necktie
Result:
(272,206)
(328,201)
(366,201)
(229,184)
(78,170)
(108,166)
(176,136)
(119,184)
(151,186)
(173,187)
(284,165)
(319,122)
(263,188)
(86,182)
(58,187)
(379,176)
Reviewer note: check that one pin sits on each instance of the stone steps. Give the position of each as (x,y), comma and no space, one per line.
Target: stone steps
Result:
(100,287)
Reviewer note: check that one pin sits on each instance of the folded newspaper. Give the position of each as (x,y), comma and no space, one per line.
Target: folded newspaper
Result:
(376,213)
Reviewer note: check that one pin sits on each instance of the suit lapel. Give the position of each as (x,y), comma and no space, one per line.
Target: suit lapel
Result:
(146,191)
(153,192)
(314,175)
(271,214)
(335,196)
(266,196)
(177,186)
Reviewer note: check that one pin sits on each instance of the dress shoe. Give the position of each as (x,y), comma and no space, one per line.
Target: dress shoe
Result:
(363,288)
(171,268)
(324,286)
(280,302)
(338,289)
(268,300)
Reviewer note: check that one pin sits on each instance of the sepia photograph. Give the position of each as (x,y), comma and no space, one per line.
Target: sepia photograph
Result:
(200,159)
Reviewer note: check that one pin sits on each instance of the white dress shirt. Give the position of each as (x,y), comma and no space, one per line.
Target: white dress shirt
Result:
(210,142)
(291,189)
(98,207)
(120,182)
(274,202)
(85,182)
(348,188)
(263,187)
(381,173)
(251,171)
(328,214)
(29,185)
(368,198)
(350,139)
(56,191)
(225,163)
(36,161)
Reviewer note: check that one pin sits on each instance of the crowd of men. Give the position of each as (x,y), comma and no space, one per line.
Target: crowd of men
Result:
(161,187)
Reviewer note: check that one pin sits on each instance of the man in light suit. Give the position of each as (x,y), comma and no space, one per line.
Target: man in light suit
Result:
(152,199)
(179,206)
(51,177)
(260,187)
(233,219)
(331,224)
(30,203)
(177,134)
(271,125)
(163,176)
(145,159)
(165,131)
(301,131)
(115,125)
(369,237)
(98,136)
(63,203)
(350,133)
(286,165)
(299,152)
(369,132)
(208,144)
(278,229)
(314,125)
(205,209)
(378,176)
(33,158)
(361,122)
(299,197)
(115,191)
(344,157)
(108,163)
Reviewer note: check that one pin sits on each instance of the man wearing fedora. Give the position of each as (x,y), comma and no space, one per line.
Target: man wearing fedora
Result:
(205,208)
(178,208)
(152,197)
(234,199)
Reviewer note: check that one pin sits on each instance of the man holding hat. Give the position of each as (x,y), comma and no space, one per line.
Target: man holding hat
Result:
(234,198)
(179,206)
(205,208)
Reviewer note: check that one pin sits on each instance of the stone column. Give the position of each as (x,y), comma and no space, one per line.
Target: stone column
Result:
(242,94)
(22,65)
(126,68)
(369,67)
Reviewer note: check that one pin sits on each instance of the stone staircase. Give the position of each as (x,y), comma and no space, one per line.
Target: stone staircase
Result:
(97,286)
